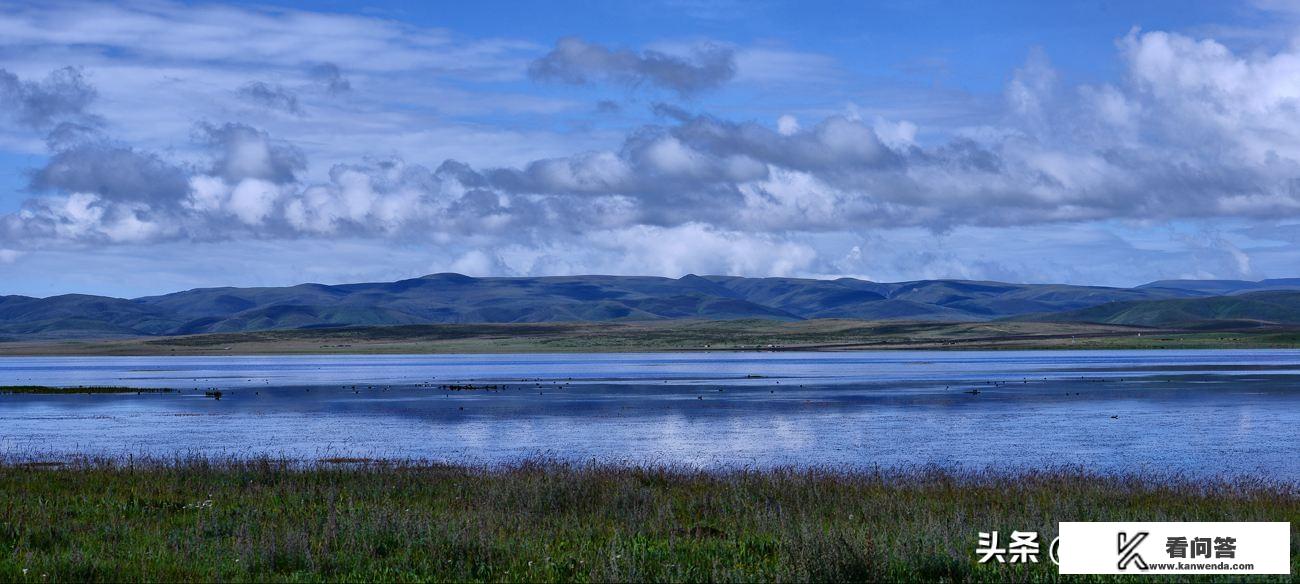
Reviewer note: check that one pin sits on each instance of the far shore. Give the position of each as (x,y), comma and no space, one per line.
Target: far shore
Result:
(668,336)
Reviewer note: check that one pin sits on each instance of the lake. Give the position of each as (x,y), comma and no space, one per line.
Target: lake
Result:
(1199,413)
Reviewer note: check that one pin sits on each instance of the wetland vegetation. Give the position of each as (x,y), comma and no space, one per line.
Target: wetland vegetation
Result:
(354,519)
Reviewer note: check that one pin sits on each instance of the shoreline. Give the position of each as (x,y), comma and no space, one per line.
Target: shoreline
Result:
(669,337)
(12,460)
(397,352)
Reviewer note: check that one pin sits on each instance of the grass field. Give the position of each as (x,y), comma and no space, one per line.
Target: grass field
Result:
(350,520)
(813,335)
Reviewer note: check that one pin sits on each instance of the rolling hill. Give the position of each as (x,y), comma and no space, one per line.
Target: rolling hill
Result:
(1239,311)
(1225,287)
(454,298)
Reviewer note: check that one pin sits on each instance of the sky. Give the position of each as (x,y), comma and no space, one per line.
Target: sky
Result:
(149,147)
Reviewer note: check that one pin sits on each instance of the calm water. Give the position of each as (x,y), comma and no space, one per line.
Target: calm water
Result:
(1194,412)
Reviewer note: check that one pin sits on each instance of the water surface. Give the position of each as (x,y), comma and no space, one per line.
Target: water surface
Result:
(1200,413)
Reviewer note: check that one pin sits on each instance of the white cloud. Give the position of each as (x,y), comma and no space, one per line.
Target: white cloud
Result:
(668,155)
(898,135)
(787,125)
(476,263)
(1202,90)
(1192,131)
(1185,138)
(672,251)
(253,200)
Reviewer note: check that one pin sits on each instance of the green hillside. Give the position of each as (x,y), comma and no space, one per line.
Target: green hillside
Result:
(1250,310)
(458,299)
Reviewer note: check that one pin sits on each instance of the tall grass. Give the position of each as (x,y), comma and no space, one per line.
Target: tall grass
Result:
(204,520)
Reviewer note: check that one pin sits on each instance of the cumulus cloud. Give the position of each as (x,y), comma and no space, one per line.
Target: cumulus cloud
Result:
(112,171)
(84,218)
(1205,91)
(787,125)
(269,96)
(1192,131)
(642,249)
(477,262)
(242,152)
(576,61)
(62,96)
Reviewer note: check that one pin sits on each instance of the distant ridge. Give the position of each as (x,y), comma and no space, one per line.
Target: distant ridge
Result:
(1239,311)
(456,298)
(1226,287)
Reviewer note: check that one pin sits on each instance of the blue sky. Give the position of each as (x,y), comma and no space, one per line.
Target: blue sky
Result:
(155,146)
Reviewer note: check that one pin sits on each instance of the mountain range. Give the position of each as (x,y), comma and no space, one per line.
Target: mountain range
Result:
(454,298)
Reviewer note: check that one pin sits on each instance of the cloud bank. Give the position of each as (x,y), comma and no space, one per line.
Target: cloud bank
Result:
(1195,132)
(1192,131)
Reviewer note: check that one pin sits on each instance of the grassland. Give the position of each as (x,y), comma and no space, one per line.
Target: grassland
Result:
(812,335)
(267,520)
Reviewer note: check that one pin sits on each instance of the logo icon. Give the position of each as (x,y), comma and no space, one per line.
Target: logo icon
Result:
(1128,550)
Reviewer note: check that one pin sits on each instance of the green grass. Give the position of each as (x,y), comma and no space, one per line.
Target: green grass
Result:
(811,335)
(198,520)
(44,389)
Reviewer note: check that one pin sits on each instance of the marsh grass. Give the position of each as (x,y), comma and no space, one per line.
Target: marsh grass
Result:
(365,520)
